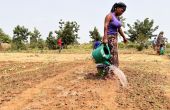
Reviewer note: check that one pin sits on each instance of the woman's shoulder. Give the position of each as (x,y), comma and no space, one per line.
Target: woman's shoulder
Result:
(109,15)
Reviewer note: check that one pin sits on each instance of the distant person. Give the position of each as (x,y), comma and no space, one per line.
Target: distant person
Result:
(154,43)
(162,49)
(59,42)
(112,26)
(159,41)
(96,43)
(165,42)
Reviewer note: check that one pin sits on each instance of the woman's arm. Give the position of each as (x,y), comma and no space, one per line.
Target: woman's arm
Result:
(106,23)
(122,34)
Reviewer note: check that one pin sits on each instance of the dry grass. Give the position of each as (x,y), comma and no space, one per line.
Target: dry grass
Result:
(35,57)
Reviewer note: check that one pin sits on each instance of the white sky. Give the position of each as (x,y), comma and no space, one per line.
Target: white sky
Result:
(45,14)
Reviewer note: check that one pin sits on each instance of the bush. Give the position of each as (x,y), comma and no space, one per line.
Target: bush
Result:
(167,51)
(121,45)
(168,45)
(131,45)
(41,44)
(146,46)
(140,47)
(18,46)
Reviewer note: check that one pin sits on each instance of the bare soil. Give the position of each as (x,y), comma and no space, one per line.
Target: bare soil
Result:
(69,82)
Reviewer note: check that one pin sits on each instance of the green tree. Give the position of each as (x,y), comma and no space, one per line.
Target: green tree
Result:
(4,37)
(34,37)
(40,43)
(68,31)
(122,19)
(95,34)
(51,41)
(20,37)
(141,31)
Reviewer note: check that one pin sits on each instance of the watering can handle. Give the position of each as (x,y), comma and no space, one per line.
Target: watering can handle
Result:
(104,43)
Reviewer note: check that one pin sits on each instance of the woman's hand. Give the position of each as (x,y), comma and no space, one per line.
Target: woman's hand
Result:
(105,40)
(125,40)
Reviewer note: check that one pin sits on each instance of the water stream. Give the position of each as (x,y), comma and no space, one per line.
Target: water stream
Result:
(119,73)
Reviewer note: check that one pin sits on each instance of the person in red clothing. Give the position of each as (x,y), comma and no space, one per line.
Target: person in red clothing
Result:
(59,42)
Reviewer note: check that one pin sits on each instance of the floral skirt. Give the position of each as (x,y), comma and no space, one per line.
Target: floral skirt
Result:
(113,45)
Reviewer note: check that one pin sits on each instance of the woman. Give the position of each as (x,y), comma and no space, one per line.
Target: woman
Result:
(154,44)
(159,41)
(112,27)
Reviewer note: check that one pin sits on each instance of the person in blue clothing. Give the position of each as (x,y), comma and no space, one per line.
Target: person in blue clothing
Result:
(154,43)
(96,43)
(162,49)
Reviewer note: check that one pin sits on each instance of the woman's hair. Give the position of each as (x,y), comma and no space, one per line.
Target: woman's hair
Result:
(118,5)
(161,32)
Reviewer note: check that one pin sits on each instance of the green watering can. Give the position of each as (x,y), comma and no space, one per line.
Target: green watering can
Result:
(102,54)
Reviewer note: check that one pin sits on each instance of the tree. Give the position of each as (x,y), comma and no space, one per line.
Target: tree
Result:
(141,31)
(4,37)
(20,37)
(40,43)
(68,31)
(122,19)
(34,37)
(95,34)
(51,41)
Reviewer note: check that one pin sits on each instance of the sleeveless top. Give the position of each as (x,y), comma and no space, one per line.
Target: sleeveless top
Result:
(113,26)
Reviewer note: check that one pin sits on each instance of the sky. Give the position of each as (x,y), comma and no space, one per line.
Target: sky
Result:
(45,14)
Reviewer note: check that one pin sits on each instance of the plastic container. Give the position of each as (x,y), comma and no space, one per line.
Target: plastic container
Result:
(102,54)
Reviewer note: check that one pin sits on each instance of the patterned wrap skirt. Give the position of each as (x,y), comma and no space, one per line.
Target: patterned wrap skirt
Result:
(113,45)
